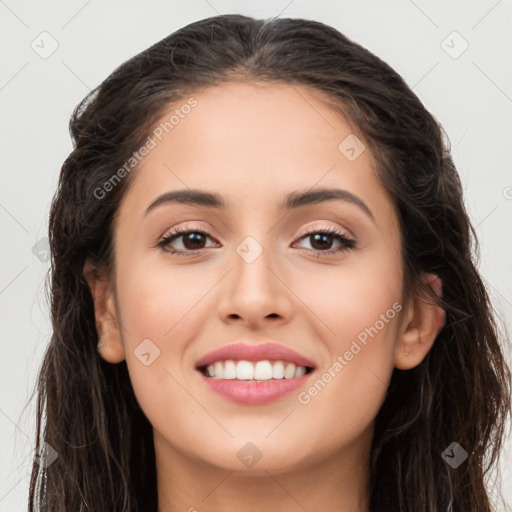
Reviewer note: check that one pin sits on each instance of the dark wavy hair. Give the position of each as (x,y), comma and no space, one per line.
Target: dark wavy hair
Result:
(86,409)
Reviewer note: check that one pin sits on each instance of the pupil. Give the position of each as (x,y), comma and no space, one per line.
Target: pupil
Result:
(318,237)
(321,240)
(194,238)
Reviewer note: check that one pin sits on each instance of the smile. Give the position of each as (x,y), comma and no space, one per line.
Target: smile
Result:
(254,370)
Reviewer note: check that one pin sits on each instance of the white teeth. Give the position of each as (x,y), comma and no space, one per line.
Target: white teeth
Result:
(218,368)
(260,370)
(229,370)
(244,370)
(300,371)
(263,370)
(278,370)
(289,371)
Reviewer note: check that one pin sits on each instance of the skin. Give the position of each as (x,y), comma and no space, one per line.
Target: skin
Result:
(253,144)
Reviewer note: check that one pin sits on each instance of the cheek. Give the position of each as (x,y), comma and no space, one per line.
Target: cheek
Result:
(350,388)
(155,311)
(359,308)
(357,299)
(155,299)
(155,328)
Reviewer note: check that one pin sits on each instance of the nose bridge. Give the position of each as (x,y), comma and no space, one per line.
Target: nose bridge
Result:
(253,291)
(252,259)
(255,248)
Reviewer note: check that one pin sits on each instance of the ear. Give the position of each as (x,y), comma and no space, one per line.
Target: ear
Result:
(421,324)
(108,327)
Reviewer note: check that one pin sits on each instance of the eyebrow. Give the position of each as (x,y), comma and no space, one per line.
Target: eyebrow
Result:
(195,197)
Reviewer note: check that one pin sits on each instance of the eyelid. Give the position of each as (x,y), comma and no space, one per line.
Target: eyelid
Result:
(315,227)
(342,234)
(183,228)
(176,230)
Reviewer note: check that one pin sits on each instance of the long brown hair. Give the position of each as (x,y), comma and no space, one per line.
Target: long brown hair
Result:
(86,409)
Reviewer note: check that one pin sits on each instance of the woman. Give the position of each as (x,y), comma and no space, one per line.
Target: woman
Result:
(263,289)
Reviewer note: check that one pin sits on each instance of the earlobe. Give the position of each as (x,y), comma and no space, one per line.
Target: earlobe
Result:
(110,345)
(422,322)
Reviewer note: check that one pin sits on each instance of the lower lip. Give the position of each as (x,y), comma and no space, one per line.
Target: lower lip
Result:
(252,392)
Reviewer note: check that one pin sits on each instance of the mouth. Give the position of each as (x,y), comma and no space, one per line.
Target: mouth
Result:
(254,382)
(254,371)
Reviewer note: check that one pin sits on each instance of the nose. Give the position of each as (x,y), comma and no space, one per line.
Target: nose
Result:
(255,292)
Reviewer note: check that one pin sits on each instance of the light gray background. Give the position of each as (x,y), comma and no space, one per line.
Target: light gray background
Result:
(470,94)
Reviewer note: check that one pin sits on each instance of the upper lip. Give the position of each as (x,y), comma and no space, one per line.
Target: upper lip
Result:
(255,352)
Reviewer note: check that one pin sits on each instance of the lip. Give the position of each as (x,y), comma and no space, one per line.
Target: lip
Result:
(255,392)
(255,352)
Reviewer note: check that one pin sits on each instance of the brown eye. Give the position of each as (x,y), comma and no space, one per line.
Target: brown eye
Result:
(191,239)
(321,241)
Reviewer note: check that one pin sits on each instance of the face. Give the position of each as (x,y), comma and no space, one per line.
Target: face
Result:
(257,271)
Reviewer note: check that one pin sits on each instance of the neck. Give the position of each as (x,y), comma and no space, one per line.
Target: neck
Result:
(336,483)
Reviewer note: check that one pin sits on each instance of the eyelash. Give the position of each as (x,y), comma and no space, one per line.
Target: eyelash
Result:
(347,243)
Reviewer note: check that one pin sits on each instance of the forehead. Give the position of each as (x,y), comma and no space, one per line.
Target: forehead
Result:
(254,144)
